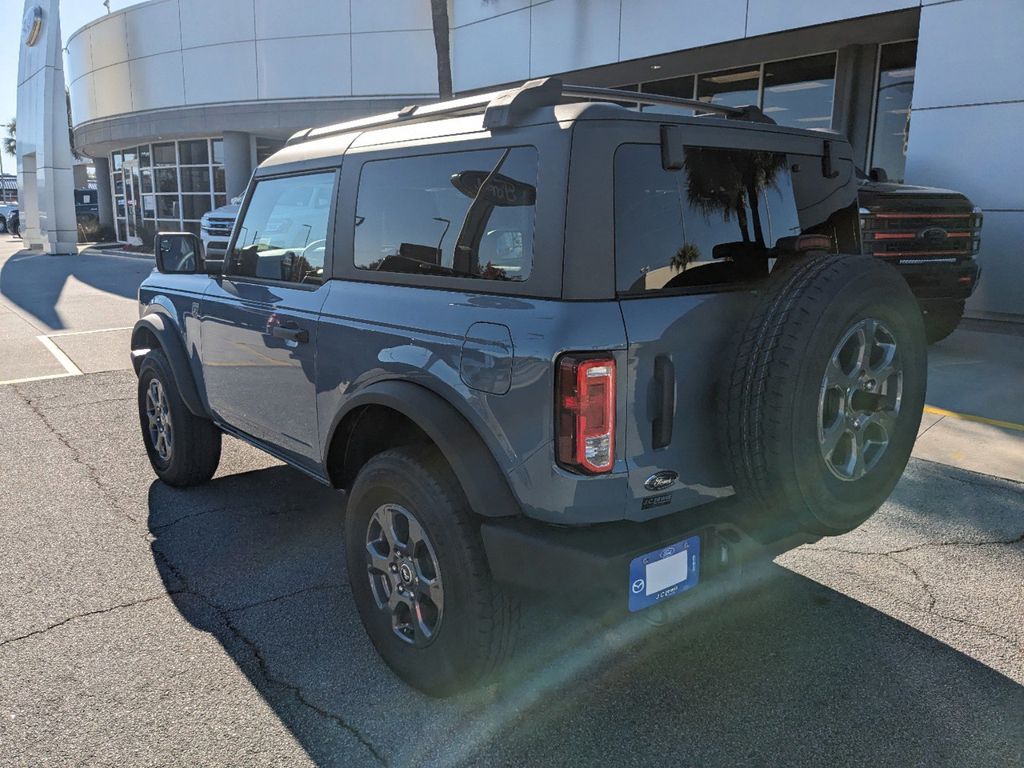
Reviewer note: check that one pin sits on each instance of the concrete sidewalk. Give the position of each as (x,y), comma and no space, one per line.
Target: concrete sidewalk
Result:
(974,418)
(65,315)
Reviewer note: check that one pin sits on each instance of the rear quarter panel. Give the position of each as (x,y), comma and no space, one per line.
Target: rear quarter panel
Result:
(371,333)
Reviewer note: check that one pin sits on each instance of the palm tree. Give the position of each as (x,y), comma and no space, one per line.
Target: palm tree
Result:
(10,144)
(439,16)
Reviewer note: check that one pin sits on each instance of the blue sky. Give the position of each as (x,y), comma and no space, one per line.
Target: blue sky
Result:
(73,15)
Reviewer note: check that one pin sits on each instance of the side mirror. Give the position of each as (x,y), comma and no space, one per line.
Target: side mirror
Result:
(879,175)
(177,253)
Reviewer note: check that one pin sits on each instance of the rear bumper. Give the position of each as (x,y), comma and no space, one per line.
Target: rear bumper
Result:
(941,281)
(592,563)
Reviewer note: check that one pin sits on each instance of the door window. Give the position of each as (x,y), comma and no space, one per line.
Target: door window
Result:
(283,235)
(460,214)
(710,223)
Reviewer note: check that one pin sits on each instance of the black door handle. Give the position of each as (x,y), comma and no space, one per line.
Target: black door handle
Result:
(664,401)
(290,333)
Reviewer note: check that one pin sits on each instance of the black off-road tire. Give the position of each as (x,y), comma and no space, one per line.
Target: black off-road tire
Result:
(775,382)
(195,448)
(3,225)
(941,319)
(479,621)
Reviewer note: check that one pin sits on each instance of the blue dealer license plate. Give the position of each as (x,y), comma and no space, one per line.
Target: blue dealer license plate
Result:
(664,573)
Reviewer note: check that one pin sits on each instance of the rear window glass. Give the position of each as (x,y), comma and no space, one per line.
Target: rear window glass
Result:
(464,214)
(706,224)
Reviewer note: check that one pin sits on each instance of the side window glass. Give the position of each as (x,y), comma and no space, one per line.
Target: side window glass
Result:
(283,235)
(464,214)
(710,223)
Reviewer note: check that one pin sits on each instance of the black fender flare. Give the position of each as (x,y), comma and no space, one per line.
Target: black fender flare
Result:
(174,350)
(475,467)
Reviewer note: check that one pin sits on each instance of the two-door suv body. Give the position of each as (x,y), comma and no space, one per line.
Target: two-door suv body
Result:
(542,342)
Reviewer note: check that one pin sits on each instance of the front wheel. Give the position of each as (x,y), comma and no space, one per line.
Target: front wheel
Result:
(419,577)
(184,449)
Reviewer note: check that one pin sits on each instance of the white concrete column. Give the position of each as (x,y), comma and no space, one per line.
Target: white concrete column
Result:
(237,162)
(103,192)
(45,177)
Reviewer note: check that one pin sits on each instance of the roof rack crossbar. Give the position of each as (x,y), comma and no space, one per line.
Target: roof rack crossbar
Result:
(617,94)
(504,109)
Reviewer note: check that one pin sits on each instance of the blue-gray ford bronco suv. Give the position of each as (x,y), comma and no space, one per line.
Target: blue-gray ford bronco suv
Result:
(542,341)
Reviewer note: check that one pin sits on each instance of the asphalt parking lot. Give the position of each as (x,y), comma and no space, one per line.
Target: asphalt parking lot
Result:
(143,625)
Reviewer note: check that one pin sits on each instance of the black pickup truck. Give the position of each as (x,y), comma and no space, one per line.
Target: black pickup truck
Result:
(931,236)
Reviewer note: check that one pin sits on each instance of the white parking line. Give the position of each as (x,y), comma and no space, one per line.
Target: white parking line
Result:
(63,359)
(35,378)
(82,333)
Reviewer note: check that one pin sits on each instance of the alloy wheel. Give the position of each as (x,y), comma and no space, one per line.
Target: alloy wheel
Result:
(860,400)
(158,415)
(404,574)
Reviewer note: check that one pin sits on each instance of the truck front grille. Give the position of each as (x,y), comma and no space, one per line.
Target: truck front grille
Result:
(915,235)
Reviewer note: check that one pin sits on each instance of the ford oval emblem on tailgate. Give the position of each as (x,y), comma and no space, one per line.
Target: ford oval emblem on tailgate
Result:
(659,481)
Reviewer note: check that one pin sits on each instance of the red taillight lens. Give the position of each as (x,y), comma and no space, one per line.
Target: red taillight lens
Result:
(585,413)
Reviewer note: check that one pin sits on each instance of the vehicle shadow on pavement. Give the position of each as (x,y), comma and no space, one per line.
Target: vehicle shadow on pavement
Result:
(34,282)
(772,668)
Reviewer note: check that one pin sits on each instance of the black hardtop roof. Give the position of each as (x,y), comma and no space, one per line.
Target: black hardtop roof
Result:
(537,102)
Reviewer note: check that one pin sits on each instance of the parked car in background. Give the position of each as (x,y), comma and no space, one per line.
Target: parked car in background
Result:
(215,228)
(5,213)
(931,236)
(541,344)
(87,215)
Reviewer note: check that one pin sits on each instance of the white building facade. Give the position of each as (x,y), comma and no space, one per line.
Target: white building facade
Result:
(177,100)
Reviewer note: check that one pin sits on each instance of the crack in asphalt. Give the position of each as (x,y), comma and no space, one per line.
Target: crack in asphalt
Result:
(929,593)
(86,614)
(183,518)
(261,662)
(74,406)
(91,471)
(923,545)
(286,596)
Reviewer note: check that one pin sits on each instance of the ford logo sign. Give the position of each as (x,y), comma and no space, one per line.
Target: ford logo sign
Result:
(659,481)
(932,235)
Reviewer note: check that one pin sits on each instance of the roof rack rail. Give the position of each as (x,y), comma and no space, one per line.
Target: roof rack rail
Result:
(749,112)
(507,108)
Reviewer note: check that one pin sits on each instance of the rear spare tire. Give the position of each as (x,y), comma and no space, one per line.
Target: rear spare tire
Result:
(824,391)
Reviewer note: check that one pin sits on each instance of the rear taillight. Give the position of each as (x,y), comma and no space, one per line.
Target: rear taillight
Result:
(585,413)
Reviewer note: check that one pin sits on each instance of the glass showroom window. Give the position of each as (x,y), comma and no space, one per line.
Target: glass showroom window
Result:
(166,186)
(796,92)
(679,87)
(799,92)
(896,63)
(731,87)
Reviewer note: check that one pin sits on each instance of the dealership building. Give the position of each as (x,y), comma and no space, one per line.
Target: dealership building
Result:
(178,100)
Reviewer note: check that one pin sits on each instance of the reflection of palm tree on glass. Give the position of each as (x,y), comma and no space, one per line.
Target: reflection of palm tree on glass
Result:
(687,254)
(727,182)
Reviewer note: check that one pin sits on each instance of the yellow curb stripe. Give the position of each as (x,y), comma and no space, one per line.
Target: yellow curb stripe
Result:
(970,417)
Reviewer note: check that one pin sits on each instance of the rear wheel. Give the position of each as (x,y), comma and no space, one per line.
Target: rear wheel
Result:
(419,577)
(941,319)
(184,449)
(3,225)
(824,392)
